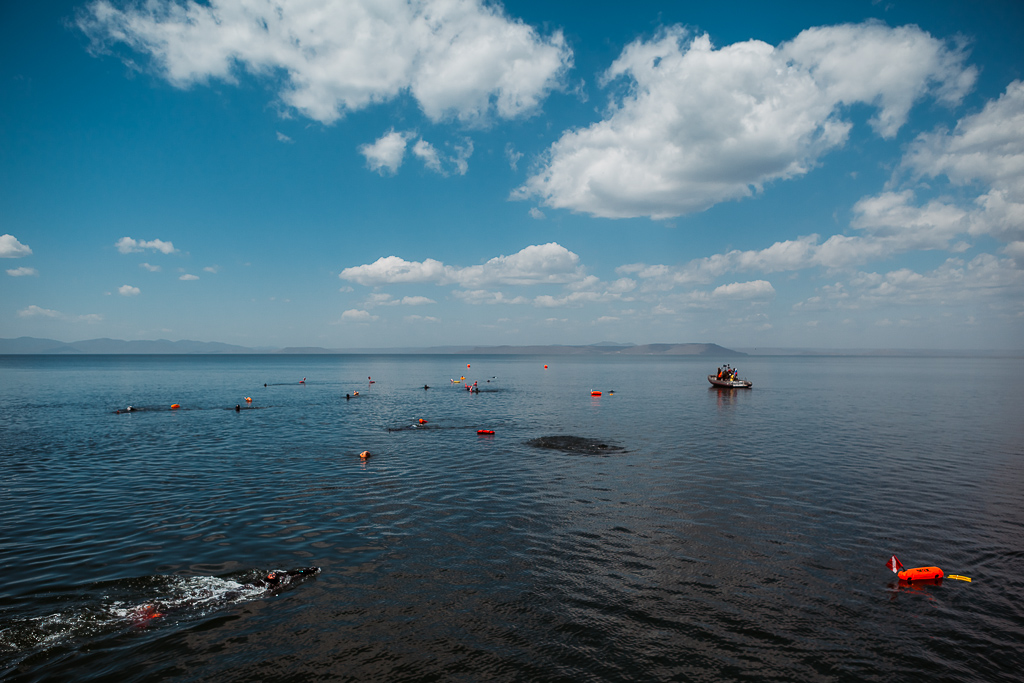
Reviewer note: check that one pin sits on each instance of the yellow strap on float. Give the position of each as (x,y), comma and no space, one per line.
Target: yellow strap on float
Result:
(958,577)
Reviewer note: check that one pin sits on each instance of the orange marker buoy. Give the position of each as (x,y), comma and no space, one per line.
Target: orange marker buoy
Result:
(422,421)
(364,455)
(467,365)
(920,574)
(545,367)
(488,432)
(175,406)
(595,393)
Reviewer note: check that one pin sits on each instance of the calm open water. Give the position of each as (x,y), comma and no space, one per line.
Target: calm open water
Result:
(740,535)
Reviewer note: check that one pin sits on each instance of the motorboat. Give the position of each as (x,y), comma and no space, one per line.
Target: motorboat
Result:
(729,379)
(730,383)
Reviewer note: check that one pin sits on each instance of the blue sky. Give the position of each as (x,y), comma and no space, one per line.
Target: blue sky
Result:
(380,173)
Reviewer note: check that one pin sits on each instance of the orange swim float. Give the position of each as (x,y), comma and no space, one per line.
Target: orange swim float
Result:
(920,574)
(488,432)
(595,393)
(175,406)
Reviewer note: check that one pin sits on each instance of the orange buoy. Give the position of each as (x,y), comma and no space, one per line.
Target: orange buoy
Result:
(175,406)
(595,393)
(248,399)
(364,455)
(422,421)
(467,365)
(920,574)
(545,367)
(489,432)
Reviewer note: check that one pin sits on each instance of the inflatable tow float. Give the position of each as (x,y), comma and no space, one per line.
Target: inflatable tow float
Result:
(920,573)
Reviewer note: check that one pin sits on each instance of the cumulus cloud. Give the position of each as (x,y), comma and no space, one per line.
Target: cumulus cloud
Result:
(354,315)
(986,150)
(151,268)
(386,153)
(700,125)
(33,311)
(211,269)
(535,264)
(483,296)
(421,318)
(984,278)
(127,245)
(382,299)
(188,276)
(457,58)
(22,272)
(757,289)
(10,247)
(128,290)
(428,155)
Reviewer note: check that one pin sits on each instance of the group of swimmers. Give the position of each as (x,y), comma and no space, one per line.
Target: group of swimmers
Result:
(727,373)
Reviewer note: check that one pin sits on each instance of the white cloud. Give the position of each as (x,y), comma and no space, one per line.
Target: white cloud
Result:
(482,296)
(536,213)
(428,155)
(512,155)
(357,316)
(756,289)
(456,58)
(700,125)
(33,311)
(381,299)
(385,155)
(128,290)
(986,149)
(188,276)
(127,245)
(535,264)
(421,318)
(212,269)
(281,137)
(151,268)
(1015,250)
(445,165)
(22,271)
(10,247)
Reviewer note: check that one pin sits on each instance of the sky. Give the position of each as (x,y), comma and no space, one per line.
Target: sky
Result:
(384,173)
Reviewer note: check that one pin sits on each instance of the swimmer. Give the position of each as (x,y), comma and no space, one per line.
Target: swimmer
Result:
(264,384)
(364,455)
(425,387)
(279,579)
(347,397)
(238,408)
(302,381)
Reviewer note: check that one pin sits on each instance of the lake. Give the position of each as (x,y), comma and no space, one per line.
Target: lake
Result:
(698,534)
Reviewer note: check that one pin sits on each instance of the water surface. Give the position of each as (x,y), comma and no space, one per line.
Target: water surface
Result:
(726,534)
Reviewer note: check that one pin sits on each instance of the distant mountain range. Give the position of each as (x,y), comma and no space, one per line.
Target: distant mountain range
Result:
(33,345)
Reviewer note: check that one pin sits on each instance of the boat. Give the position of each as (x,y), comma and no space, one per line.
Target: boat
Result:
(729,379)
(730,383)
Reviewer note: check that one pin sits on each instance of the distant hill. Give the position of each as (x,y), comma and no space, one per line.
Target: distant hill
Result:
(28,345)
(610,350)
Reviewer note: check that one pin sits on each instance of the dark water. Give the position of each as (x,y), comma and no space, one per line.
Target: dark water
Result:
(723,535)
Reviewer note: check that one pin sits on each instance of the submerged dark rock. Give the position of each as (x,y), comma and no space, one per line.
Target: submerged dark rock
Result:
(574,444)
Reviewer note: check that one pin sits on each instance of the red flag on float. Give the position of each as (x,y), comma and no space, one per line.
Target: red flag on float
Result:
(894,564)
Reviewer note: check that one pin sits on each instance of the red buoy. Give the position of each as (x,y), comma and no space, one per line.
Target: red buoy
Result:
(489,432)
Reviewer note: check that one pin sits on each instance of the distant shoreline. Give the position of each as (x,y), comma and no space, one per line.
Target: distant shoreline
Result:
(102,347)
